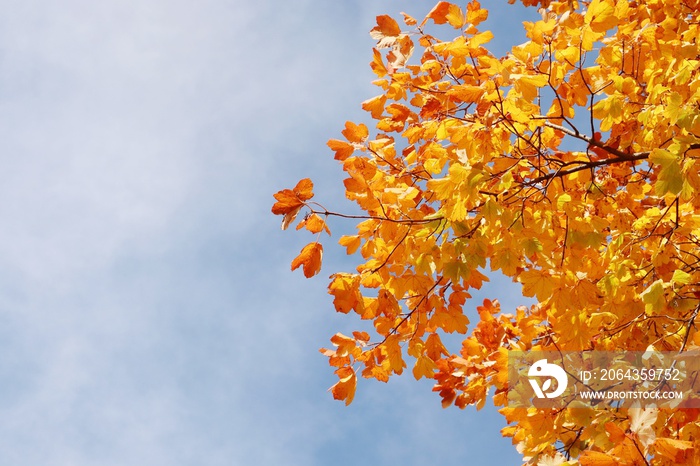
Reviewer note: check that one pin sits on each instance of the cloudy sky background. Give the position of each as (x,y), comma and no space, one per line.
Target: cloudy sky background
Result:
(147,310)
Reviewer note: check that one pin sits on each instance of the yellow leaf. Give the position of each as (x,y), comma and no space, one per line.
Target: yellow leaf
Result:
(653,298)
(528,84)
(681,277)
(563,200)
(424,367)
(476,14)
(537,283)
(350,242)
(601,16)
(392,350)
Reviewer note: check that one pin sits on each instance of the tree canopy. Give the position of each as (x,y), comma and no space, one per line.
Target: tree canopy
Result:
(570,165)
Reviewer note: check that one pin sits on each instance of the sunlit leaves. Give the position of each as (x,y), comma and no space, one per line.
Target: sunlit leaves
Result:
(569,164)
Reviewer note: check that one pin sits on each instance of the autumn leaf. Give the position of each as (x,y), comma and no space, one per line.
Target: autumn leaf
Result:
(670,178)
(345,289)
(309,259)
(375,106)
(537,283)
(653,297)
(315,224)
(355,133)
(289,200)
(445,12)
(568,164)
(344,389)
(342,149)
(596,458)
(386,27)
(673,449)
(601,15)
(476,14)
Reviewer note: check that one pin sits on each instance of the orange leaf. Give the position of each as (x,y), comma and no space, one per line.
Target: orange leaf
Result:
(304,189)
(345,388)
(345,344)
(377,64)
(476,14)
(361,336)
(615,433)
(467,93)
(355,133)
(310,259)
(342,149)
(596,458)
(350,242)
(445,12)
(346,293)
(315,224)
(673,449)
(375,105)
(386,26)
(434,347)
(287,201)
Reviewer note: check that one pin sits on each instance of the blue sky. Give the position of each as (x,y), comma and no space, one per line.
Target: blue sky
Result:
(147,311)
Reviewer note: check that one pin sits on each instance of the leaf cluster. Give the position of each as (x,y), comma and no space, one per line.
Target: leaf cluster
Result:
(570,165)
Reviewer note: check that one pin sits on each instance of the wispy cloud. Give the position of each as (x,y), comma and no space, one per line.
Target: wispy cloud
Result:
(147,311)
